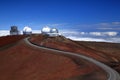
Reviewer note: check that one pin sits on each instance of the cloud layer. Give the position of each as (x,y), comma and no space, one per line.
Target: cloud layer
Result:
(110,36)
(96,34)
(4,32)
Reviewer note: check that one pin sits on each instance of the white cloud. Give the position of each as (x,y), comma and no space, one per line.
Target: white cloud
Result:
(103,33)
(68,31)
(73,32)
(109,28)
(111,40)
(111,33)
(57,24)
(116,23)
(4,32)
(53,25)
(95,33)
(103,24)
(86,39)
(115,40)
(91,36)
(36,31)
(83,33)
(76,33)
(81,36)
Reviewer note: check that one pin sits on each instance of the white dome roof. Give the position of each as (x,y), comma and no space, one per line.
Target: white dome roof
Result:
(54,30)
(46,29)
(27,29)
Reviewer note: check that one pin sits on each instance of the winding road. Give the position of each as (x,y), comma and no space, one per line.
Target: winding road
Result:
(112,74)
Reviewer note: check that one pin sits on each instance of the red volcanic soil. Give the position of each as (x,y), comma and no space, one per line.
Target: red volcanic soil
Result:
(64,44)
(24,62)
(107,53)
(7,40)
(112,50)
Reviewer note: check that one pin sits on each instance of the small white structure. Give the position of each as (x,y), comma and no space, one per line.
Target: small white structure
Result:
(27,30)
(50,31)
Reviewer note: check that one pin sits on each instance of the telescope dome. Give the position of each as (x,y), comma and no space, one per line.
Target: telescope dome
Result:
(46,30)
(54,30)
(27,29)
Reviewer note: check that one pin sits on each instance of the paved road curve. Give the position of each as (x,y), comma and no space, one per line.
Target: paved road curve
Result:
(112,74)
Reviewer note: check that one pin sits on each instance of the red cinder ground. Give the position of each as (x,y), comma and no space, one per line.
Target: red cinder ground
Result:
(107,53)
(7,40)
(24,62)
(62,43)
(112,50)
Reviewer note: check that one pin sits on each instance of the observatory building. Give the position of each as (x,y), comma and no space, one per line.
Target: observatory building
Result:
(54,32)
(45,30)
(27,30)
(50,31)
(14,30)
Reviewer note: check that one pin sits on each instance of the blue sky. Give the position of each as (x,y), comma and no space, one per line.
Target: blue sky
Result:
(63,14)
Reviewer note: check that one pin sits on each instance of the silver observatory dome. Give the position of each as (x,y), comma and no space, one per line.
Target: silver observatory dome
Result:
(54,30)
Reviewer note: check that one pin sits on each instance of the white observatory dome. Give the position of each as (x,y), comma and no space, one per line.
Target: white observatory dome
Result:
(27,29)
(54,30)
(46,30)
